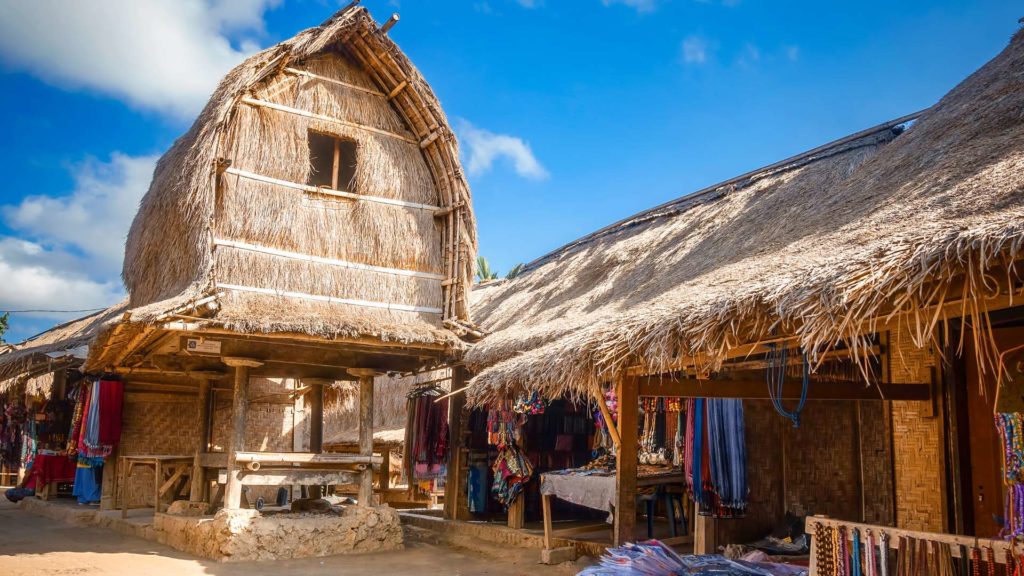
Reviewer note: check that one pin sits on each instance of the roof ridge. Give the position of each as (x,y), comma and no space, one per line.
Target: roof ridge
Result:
(712,192)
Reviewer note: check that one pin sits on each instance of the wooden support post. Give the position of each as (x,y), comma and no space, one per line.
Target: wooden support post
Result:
(203,443)
(626,461)
(236,441)
(407,451)
(705,536)
(365,431)
(316,423)
(454,482)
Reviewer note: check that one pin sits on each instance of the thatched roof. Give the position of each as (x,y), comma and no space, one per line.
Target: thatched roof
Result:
(817,247)
(61,346)
(285,259)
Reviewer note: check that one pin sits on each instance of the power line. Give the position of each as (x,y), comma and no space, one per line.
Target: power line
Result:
(52,311)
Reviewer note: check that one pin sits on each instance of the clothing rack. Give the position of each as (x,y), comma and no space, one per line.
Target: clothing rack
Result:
(954,541)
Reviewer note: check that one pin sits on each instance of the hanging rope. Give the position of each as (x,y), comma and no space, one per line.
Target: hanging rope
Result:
(775,375)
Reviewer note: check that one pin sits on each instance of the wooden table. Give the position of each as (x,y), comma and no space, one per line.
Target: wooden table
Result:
(168,472)
(674,477)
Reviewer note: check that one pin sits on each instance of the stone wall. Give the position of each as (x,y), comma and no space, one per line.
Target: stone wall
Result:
(241,535)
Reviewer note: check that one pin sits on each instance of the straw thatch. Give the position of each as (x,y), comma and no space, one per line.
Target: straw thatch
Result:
(196,227)
(59,347)
(820,247)
(390,407)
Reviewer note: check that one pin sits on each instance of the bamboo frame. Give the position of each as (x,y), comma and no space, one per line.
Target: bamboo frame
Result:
(319,78)
(328,191)
(307,114)
(321,260)
(330,299)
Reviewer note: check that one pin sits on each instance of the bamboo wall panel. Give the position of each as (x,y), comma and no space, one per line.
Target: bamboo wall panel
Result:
(917,444)
(876,463)
(161,424)
(822,463)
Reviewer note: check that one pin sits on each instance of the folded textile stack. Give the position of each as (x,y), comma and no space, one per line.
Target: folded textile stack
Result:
(652,558)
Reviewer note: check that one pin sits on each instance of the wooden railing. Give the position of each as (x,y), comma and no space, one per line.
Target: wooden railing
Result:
(894,535)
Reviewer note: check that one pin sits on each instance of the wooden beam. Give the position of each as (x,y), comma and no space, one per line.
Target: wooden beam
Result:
(757,389)
(454,481)
(202,443)
(366,376)
(607,415)
(626,461)
(309,458)
(297,477)
(316,412)
(236,441)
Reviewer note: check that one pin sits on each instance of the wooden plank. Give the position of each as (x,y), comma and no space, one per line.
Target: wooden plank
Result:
(585,529)
(757,389)
(307,458)
(626,469)
(297,477)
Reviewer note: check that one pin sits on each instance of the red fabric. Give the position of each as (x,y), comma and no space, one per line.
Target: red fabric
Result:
(87,390)
(111,402)
(47,468)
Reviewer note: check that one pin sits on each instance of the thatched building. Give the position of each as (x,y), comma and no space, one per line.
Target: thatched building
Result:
(890,257)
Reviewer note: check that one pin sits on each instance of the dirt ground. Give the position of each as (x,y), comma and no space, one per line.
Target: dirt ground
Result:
(31,545)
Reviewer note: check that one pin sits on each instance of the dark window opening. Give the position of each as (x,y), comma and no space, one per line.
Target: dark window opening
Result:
(332,162)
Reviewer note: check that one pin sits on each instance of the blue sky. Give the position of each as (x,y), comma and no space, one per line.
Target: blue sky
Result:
(572,114)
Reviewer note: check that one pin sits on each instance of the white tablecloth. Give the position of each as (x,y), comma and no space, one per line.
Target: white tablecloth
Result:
(597,492)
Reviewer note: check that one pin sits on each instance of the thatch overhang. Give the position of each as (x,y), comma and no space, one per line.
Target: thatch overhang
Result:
(64,346)
(247,246)
(919,224)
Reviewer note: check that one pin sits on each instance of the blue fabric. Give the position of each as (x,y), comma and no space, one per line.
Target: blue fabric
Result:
(87,484)
(92,422)
(478,488)
(728,451)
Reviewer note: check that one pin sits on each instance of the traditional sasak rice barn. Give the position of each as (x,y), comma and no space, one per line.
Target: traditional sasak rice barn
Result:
(890,258)
(313,226)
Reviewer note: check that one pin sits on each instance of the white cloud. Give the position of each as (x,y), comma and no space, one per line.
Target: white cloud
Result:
(793,53)
(483,147)
(528,3)
(695,49)
(638,5)
(69,249)
(153,54)
(749,55)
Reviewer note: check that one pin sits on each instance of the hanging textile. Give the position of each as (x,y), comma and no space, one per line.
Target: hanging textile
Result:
(512,470)
(714,456)
(13,418)
(88,480)
(503,425)
(101,421)
(430,438)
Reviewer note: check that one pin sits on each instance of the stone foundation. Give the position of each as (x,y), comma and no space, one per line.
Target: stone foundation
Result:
(238,535)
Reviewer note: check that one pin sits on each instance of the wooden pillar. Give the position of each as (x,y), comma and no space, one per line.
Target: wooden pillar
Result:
(705,533)
(626,461)
(455,482)
(316,422)
(407,450)
(236,440)
(197,494)
(365,431)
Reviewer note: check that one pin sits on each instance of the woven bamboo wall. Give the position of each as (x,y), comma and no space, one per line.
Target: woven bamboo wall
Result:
(164,424)
(877,463)
(919,454)
(813,469)
(268,423)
